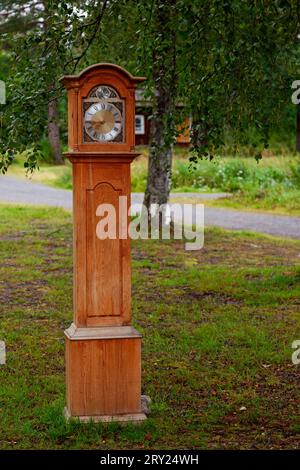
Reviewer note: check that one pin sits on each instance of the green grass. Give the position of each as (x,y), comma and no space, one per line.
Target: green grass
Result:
(217,330)
(272,185)
(58,176)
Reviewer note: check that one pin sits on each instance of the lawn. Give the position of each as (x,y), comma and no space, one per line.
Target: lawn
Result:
(272,185)
(217,330)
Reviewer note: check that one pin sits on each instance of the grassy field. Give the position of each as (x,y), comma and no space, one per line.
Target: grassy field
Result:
(217,330)
(272,185)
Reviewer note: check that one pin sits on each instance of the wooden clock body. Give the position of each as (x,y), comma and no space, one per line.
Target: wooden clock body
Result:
(103,351)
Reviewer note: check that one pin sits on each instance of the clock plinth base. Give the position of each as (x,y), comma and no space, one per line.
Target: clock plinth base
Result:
(126,418)
(103,369)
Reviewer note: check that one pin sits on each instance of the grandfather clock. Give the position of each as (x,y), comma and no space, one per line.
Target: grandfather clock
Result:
(103,350)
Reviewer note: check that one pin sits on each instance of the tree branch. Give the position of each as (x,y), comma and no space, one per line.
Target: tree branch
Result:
(97,22)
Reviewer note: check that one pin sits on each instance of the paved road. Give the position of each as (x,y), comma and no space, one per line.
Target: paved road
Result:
(20,191)
(26,192)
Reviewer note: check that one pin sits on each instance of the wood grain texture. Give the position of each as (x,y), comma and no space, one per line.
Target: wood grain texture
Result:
(104,266)
(102,275)
(104,332)
(103,376)
(79,86)
(103,353)
(124,418)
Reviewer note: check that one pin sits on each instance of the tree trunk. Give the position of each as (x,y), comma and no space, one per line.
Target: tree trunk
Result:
(53,127)
(298,129)
(53,131)
(162,123)
(160,156)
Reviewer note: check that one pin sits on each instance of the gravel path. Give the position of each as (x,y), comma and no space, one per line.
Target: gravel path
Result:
(19,191)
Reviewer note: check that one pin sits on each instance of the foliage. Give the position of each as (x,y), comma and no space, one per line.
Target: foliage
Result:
(40,55)
(229,176)
(231,67)
(5,64)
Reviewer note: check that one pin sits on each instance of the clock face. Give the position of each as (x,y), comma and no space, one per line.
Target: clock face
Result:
(103,116)
(103,121)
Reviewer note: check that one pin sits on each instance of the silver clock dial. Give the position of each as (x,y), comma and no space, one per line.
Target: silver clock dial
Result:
(103,121)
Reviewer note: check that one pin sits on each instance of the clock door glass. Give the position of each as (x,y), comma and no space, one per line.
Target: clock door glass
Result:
(103,116)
